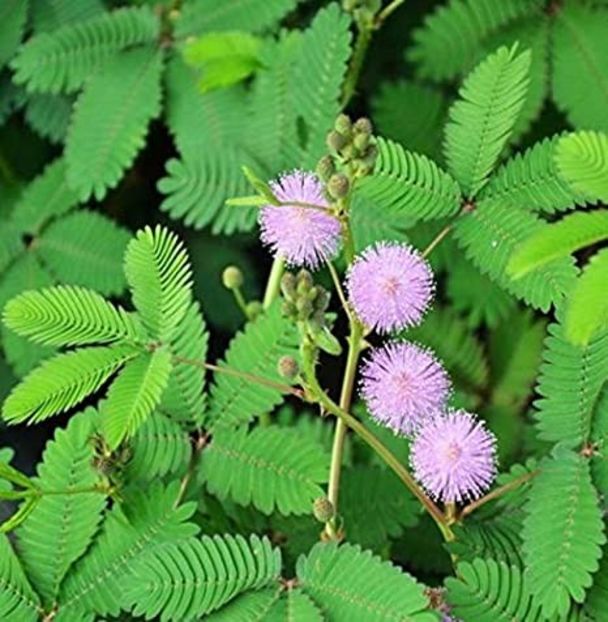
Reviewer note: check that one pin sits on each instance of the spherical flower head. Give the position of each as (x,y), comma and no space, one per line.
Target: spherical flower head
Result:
(404,385)
(304,236)
(390,286)
(454,457)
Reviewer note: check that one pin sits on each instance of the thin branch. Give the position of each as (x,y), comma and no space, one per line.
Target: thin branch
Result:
(387,12)
(338,286)
(498,492)
(284,388)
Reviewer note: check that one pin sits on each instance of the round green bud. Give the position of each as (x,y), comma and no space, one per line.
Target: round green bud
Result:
(304,308)
(338,186)
(232,277)
(335,141)
(288,367)
(323,509)
(254,309)
(288,309)
(326,167)
(322,300)
(363,126)
(343,125)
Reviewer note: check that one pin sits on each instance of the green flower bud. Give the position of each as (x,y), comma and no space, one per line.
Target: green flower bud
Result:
(254,309)
(323,509)
(335,141)
(304,308)
(322,300)
(343,125)
(288,285)
(326,167)
(361,141)
(232,278)
(288,309)
(363,126)
(304,281)
(338,186)
(288,367)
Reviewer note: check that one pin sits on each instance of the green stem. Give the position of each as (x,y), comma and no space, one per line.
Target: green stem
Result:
(240,301)
(100,488)
(201,441)
(387,11)
(364,37)
(389,458)
(274,282)
(337,454)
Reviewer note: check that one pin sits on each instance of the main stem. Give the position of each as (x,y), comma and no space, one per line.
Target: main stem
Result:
(274,281)
(337,453)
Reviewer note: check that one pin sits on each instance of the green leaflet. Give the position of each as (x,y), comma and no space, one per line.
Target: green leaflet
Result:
(201,16)
(580,75)
(272,468)
(17,598)
(353,586)
(49,115)
(85,248)
(61,60)
(256,350)
(134,395)
(97,583)
(61,527)
(482,120)
(587,310)
(555,241)
(582,160)
(160,277)
(62,382)
(407,186)
(490,591)
(195,577)
(111,119)
(451,38)
(570,381)
(562,533)
(68,316)
(13,18)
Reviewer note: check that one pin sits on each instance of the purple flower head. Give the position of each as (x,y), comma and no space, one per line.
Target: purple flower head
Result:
(404,385)
(390,286)
(454,457)
(304,236)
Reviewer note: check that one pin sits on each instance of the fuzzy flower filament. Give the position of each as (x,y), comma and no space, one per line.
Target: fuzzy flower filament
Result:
(403,386)
(390,286)
(304,236)
(454,457)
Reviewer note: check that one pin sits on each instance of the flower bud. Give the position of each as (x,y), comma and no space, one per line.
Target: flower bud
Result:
(338,186)
(304,308)
(232,278)
(254,309)
(323,509)
(322,300)
(343,125)
(326,167)
(288,309)
(304,281)
(361,142)
(288,285)
(335,141)
(288,367)
(363,126)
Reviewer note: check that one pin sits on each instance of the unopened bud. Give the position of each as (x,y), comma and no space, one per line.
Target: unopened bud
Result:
(361,142)
(343,125)
(232,278)
(335,141)
(323,509)
(326,167)
(322,300)
(338,186)
(254,309)
(305,281)
(363,126)
(304,308)
(288,308)
(288,367)
(288,285)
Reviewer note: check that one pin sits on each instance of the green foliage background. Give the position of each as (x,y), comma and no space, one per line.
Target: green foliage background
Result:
(191,492)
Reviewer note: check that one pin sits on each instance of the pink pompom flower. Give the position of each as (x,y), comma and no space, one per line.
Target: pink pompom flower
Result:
(304,236)
(390,286)
(403,386)
(454,457)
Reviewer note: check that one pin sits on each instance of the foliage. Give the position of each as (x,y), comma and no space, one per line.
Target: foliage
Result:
(196,445)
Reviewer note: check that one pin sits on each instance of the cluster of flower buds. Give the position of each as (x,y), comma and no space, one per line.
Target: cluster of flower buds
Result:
(353,152)
(306,304)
